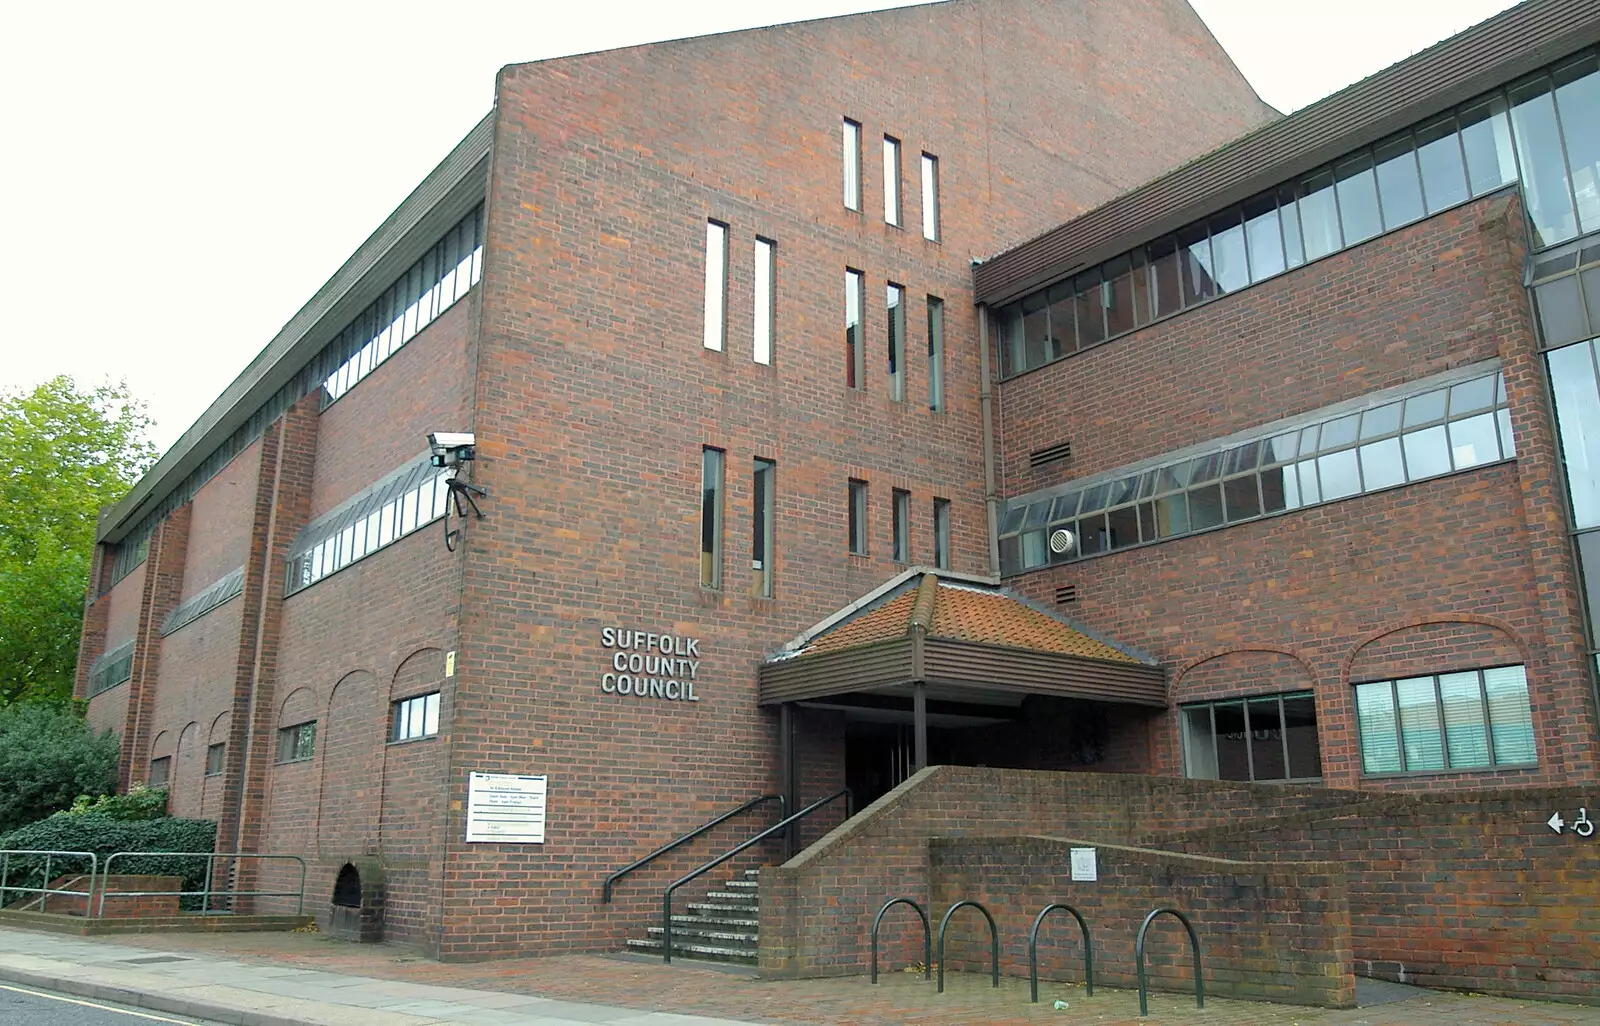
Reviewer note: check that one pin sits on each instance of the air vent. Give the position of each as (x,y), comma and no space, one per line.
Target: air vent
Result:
(1066,593)
(1051,454)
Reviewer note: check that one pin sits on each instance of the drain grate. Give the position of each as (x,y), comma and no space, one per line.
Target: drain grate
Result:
(153,959)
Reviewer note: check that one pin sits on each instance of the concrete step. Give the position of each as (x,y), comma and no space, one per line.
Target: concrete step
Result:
(705,952)
(729,922)
(752,874)
(723,908)
(743,885)
(740,939)
(741,897)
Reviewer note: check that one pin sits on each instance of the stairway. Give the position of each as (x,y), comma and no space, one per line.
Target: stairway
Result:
(720,928)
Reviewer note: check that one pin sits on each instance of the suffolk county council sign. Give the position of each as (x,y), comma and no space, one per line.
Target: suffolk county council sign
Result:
(645,665)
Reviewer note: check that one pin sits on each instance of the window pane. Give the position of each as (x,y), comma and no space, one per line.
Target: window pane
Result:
(1310,487)
(1340,432)
(1033,550)
(1380,464)
(930,197)
(1266,740)
(895,305)
(1300,731)
(941,533)
(891,180)
(765,259)
(902,526)
(855,356)
(1172,515)
(1510,718)
(852,165)
(858,517)
(1508,445)
(1420,733)
(1233,756)
(1561,314)
(1339,474)
(1205,507)
(716,284)
(1194,253)
(1465,731)
(1385,420)
(1165,278)
(1544,170)
(1319,217)
(1589,562)
(1399,187)
(1425,409)
(1242,498)
(1279,489)
(430,720)
(1444,179)
(1427,452)
(1294,253)
(935,354)
(1035,331)
(1358,200)
(1486,138)
(1199,755)
(1577,399)
(1091,309)
(1577,100)
(1471,396)
(1230,270)
(1117,294)
(711,518)
(1063,303)
(1142,296)
(1123,525)
(1474,441)
(1262,232)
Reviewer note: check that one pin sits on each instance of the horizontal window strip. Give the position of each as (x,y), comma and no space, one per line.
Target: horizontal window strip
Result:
(209,598)
(1511,135)
(112,668)
(1473,719)
(404,501)
(1436,426)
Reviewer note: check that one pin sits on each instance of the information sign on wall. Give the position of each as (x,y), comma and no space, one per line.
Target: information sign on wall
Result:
(506,808)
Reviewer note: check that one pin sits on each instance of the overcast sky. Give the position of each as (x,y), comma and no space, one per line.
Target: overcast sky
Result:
(182,177)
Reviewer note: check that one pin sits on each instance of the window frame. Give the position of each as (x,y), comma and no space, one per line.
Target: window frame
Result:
(930,197)
(291,745)
(764,291)
(715,337)
(894,305)
(713,497)
(855,332)
(165,762)
(400,717)
(900,518)
(893,207)
(941,533)
(763,532)
(856,509)
(850,143)
(1494,765)
(936,397)
(220,748)
(1244,702)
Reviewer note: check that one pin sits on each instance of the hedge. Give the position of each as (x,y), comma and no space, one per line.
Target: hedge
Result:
(103,835)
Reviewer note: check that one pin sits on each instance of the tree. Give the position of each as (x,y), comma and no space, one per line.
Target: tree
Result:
(64,454)
(47,759)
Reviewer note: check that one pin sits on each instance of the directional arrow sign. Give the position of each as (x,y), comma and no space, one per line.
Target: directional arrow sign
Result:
(1555,822)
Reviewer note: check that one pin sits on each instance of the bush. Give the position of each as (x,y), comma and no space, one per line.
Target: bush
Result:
(103,835)
(48,758)
(141,802)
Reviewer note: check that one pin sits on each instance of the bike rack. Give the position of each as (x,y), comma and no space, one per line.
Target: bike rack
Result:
(927,937)
(1033,949)
(1194,944)
(994,943)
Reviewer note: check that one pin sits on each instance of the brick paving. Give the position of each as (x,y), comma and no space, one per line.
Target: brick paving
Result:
(901,999)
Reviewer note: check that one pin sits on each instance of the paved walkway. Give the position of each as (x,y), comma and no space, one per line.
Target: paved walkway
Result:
(283,979)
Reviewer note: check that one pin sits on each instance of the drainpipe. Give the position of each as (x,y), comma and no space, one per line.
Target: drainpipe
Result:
(986,411)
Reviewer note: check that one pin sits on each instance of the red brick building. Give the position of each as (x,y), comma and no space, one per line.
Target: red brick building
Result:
(1325,530)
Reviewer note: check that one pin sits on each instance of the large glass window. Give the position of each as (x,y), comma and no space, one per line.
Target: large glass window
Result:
(114,666)
(1473,719)
(710,518)
(1432,427)
(716,321)
(763,502)
(1272,737)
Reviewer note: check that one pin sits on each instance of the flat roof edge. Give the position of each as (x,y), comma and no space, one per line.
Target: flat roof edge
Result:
(448,191)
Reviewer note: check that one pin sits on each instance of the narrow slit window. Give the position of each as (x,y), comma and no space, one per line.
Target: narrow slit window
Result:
(711,518)
(716,285)
(765,278)
(935,354)
(930,197)
(941,533)
(895,304)
(902,526)
(891,181)
(763,506)
(858,517)
(852,165)
(855,359)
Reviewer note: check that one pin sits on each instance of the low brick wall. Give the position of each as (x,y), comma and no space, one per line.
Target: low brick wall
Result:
(1267,931)
(117,905)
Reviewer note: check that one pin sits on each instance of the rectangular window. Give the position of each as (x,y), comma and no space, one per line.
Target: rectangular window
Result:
(1473,719)
(710,518)
(412,718)
(852,165)
(895,302)
(891,180)
(766,274)
(763,506)
(855,359)
(160,771)
(716,285)
(297,743)
(930,197)
(1268,738)
(902,526)
(935,354)
(858,517)
(941,533)
(214,756)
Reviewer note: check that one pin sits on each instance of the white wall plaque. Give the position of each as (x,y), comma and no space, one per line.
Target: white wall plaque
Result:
(506,808)
(1084,867)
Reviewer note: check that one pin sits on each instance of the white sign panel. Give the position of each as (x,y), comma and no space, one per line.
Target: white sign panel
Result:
(1084,867)
(506,808)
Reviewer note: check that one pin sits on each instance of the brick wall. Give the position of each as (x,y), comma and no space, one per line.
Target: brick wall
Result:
(1267,932)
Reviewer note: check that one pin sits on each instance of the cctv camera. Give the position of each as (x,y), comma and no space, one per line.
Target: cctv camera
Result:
(451,448)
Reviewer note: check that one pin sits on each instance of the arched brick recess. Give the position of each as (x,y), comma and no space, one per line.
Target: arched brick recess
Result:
(411,833)
(184,792)
(1242,671)
(162,745)
(292,803)
(212,786)
(419,672)
(347,741)
(300,706)
(1432,644)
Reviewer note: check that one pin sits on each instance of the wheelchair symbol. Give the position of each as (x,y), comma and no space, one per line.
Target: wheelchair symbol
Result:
(1582,826)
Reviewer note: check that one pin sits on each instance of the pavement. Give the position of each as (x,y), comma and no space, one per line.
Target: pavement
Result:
(284,979)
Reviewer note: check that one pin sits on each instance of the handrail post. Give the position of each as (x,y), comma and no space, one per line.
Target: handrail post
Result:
(1194,944)
(994,943)
(927,937)
(1033,950)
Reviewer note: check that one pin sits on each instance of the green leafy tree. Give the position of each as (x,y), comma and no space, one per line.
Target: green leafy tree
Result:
(64,454)
(47,759)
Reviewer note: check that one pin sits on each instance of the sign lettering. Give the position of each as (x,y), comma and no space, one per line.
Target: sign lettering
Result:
(650,665)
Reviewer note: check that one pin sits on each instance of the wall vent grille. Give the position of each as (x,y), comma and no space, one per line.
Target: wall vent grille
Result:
(1050,454)
(1066,593)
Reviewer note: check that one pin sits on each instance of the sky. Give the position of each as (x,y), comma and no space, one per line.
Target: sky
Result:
(184,176)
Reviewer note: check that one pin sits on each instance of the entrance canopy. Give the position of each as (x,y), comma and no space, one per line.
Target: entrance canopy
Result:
(938,635)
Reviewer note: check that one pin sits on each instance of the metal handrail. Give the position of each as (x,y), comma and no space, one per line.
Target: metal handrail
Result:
(927,937)
(208,892)
(1033,949)
(1194,943)
(666,899)
(994,942)
(46,890)
(783,810)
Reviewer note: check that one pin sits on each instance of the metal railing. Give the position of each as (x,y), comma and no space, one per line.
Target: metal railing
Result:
(994,942)
(783,810)
(45,891)
(666,899)
(927,936)
(208,892)
(1194,944)
(1033,949)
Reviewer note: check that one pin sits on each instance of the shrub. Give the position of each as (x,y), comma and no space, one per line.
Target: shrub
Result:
(141,802)
(101,834)
(48,758)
